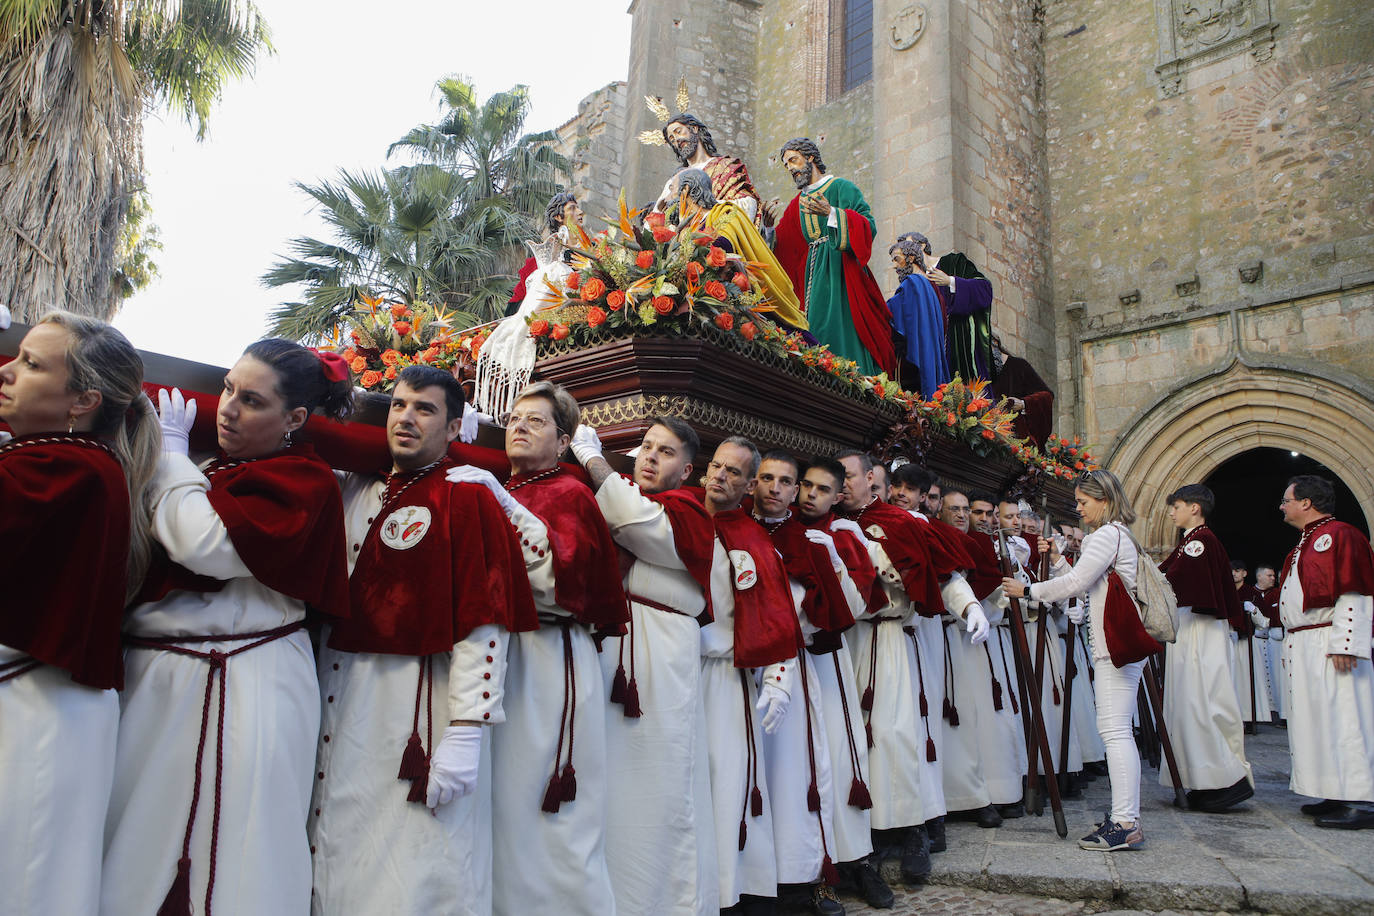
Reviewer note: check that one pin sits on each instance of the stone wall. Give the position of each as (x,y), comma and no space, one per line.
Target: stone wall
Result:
(593,142)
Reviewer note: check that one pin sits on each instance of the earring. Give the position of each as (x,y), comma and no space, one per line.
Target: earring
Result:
(286,439)
(71,423)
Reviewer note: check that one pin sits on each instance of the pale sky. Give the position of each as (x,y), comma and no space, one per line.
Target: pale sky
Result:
(349,77)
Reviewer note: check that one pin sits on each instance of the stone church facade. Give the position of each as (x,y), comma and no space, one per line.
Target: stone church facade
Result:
(1174,199)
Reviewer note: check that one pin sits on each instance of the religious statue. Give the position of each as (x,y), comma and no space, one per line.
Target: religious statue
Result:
(823,241)
(917,318)
(966,297)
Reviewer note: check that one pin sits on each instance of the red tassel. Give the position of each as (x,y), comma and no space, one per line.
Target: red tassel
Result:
(930,750)
(418,787)
(868,733)
(813,798)
(1055,688)
(743,833)
(553,795)
(413,759)
(569,783)
(632,710)
(178,899)
(866,704)
(953,716)
(755,803)
(945,708)
(829,873)
(925,709)
(618,685)
(858,795)
(997,695)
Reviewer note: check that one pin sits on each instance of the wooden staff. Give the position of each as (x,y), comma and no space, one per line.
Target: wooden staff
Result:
(1152,688)
(1252,727)
(1022,648)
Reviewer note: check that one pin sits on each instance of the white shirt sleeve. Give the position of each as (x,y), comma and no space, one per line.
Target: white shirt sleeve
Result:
(1350,625)
(538,555)
(637,523)
(1099,553)
(957,594)
(187,525)
(477,676)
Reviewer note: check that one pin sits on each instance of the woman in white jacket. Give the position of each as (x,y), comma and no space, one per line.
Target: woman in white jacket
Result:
(1107,512)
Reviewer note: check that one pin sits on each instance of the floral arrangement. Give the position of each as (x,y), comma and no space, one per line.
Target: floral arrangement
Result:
(963,411)
(384,338)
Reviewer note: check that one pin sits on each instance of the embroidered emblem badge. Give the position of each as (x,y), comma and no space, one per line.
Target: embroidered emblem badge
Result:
(1193,548)
(746,574)
(405,527)
(1322,544)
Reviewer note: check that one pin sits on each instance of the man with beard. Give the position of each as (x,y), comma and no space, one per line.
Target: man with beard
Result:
(966,298)
(694,148)
(824,240)
(660,837)
(917,318)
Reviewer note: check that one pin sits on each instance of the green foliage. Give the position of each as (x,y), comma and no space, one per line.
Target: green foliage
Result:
(138,243)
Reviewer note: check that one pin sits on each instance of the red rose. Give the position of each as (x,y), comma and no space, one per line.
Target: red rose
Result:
(663,304)
(748,330)
(615,299)
(827,362)
(596,316)
(477,346)
(715,257)
(716,290)
(644,260)
(1078,465)
(559,331)
(539,328)
(574,280)
(989,434)
(399,310)
(663,234)
(693,272)
(358,364)
(879,390)
(725,321)
(593,290)
(655,220)
(402,327)
(370,378)
(741,280)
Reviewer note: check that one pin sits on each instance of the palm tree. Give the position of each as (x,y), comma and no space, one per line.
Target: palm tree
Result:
(75,79)
(445,229)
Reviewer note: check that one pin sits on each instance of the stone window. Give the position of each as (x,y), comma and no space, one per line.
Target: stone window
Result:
(856,46)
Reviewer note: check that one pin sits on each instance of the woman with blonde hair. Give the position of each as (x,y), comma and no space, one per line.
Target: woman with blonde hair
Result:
(1106,511)
(74,471)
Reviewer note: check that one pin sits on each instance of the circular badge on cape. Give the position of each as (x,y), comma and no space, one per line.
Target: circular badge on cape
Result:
(1322,544)
(746,574)
(1193,548)
(405,527)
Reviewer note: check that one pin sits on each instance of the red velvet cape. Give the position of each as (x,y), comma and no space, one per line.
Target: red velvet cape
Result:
(766,627)
(284,517)
(1345,566)
(867,304)
(986,574)
(1204,582)
(64,527)
(694,538)
(856,560)
(587,582)
(1268,602)
(824,603)
(467,570)
(908,546)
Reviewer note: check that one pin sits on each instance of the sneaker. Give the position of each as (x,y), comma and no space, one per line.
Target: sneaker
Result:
(824,902)
(1111,837)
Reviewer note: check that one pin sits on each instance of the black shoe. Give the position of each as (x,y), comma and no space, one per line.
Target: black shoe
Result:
(1349,818)
(916,856)
(1215,801)
(1251,728)
(824,902)
(749,905)
(988,817)
(1097,768)
(1321,808)
(871,886)
(1011,811)
(935,829)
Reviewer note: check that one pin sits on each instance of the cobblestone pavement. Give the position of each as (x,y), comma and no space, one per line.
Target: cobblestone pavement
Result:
(965,901)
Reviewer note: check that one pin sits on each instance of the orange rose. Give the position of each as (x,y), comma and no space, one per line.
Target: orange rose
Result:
(399,310)
(663,304)
(748,330)
(950,419)
(693,272)
(539,328)
(989,434)
(596,316)
(390,357)
(358,364)
(402,327)
(390,374)
(879,390)
(593,290)
(663,234)
(644,260)
(477,346)
(725,321)
(716,289)
(655,220)
(715,256)
(615,299)
(559,331)
(574,280)
(370,378)
(741,280)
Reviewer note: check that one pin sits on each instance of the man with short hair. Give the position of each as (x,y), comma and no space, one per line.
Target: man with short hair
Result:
(660,835)
(1267,600)
(1201,709)
(1326,599)
(881,481)
(422,842)
(1252,669)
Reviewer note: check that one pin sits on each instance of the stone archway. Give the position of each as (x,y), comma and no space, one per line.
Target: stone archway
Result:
(1187,434)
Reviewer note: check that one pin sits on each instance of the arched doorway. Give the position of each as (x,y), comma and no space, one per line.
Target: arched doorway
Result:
(1248,488)
(1185,436)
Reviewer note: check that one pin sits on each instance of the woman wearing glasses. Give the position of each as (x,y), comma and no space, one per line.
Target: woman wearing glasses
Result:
(1103,505)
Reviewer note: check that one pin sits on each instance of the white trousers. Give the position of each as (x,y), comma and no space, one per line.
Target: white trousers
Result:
(1116,704)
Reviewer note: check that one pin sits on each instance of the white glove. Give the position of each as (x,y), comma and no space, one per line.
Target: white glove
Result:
(453,765)
(976,622)
(1077,613)
(177,416)
(820,537)
(4,317)
(586,444)
(472,417)
(847,524)
(773,703)
(466,473)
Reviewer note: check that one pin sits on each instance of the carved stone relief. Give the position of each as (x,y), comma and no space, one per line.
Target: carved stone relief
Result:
(1195,33)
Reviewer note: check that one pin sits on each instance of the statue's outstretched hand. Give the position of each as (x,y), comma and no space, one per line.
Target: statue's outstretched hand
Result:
(768,212)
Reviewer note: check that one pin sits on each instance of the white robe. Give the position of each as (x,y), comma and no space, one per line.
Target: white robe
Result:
(965,786)
(1278,677)
(1001,736)
(1200,706)
(271,725)
(57,753)
(1084,702)
(1252,664)
(1330,713)
(927,635)
(853,828)
(660,837)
